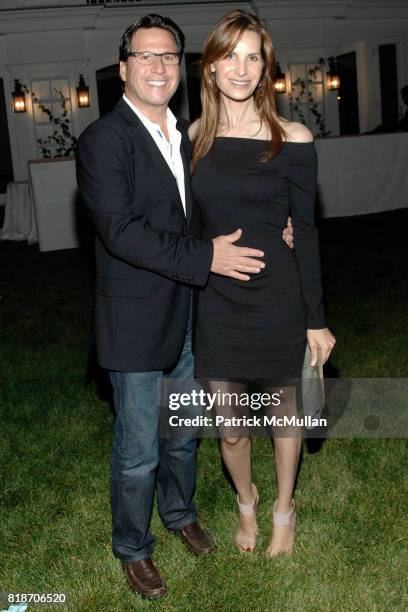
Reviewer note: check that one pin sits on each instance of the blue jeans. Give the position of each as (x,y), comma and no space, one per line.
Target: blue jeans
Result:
(141,462)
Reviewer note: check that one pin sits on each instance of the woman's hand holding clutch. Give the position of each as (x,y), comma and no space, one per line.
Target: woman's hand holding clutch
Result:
(323,340)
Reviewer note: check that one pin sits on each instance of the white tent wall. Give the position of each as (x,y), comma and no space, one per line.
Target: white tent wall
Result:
(64,38)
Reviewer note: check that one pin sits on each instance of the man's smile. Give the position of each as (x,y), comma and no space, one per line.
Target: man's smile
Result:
(156,82)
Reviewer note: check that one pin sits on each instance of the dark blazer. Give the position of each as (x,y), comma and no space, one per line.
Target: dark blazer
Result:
(146,258)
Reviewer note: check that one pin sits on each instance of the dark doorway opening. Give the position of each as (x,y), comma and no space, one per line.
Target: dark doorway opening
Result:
(348,103)
(109,87)
(193,84)
(6,166)
(387,55)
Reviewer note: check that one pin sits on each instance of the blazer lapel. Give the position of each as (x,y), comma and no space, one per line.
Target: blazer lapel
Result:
(156,160)
(186,157)
(162,170)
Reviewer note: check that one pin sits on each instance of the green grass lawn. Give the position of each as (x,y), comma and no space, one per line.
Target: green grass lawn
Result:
(351,544)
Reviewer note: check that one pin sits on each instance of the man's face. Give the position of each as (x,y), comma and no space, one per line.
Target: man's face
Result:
(150,87)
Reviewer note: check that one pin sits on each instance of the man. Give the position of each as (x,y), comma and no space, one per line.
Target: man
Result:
(133,175)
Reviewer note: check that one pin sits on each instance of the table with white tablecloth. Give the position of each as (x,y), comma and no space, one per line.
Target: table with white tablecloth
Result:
(359,175)
(19,219)
(44,209)
(54,192)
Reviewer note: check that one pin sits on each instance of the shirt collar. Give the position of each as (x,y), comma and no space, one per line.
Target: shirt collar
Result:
(171,119)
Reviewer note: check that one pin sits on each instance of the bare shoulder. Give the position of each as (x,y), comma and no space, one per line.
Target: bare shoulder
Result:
(192,129)
(297,132)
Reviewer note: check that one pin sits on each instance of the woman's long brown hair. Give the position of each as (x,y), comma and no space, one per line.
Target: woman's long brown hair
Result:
(223,39)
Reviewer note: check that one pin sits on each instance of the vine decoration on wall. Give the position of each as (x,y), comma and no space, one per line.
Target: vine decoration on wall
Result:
(313,106)
(61,143)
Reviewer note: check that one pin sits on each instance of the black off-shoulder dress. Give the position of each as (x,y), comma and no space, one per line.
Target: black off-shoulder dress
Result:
(257,329)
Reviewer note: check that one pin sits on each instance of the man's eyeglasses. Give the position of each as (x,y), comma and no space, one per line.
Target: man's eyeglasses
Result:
(148,57)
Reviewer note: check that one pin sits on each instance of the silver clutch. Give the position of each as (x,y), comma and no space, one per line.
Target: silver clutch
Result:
(312,384)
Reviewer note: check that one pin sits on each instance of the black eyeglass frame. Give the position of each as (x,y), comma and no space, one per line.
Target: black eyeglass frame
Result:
(138,53)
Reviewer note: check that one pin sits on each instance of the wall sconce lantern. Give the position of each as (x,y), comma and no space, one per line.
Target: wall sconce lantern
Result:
(280,80)
(18,95)
(333,78)
(83,93)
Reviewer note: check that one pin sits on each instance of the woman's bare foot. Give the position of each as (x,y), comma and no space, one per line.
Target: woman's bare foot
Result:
(248,528)
(283,532)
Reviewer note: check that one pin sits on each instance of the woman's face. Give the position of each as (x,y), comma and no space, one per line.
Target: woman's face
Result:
(238,74)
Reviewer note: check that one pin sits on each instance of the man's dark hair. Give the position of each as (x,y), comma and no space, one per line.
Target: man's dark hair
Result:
(150,21)
(404,90)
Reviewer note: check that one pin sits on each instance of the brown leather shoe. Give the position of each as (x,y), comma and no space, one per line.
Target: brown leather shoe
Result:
(197,540)
(144,578)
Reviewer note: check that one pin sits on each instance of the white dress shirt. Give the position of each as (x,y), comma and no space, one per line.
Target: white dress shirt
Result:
(170,149)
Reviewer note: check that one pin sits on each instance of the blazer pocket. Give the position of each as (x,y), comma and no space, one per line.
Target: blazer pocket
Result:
(124,287)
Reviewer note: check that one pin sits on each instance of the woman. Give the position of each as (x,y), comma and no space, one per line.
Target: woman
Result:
(251,169)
